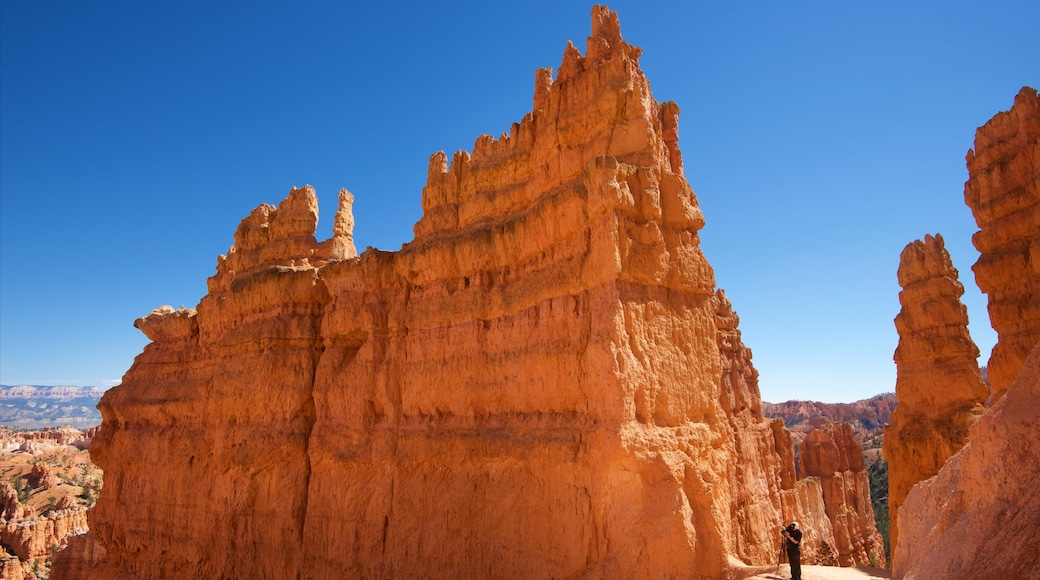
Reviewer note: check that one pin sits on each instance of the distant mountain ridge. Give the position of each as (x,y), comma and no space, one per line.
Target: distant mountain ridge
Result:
(35,406)
(868,415)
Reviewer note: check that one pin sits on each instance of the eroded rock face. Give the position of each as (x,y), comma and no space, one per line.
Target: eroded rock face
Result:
(1003,192)
(830,452)
(978,518)
(940,388)
(32,537)
(544,383)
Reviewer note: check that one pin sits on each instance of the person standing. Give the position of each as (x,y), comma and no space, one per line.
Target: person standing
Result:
(793,542)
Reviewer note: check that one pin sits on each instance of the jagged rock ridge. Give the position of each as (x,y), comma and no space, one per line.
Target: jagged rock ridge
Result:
(1003,192)
(544,383)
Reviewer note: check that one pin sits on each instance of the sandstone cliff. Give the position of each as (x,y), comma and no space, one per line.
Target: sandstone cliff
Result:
(1003,192)
(831,453)
(938,382)
(978,518)
(544,383)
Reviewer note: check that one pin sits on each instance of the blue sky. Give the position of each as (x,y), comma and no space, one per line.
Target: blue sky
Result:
(820,137)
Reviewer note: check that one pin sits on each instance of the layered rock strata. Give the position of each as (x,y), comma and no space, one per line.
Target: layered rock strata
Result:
(544,383)
(830,452)
(32,538)
(978,518)
(938,382)
(1003,192)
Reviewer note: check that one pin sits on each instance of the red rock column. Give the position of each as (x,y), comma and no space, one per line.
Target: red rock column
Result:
(1003,192)
(831,453)
(938,383)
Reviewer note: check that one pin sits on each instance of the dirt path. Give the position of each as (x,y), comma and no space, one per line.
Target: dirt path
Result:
(826,573)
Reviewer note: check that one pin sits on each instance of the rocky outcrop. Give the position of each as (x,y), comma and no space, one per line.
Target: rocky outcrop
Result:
(10,507)
(544,383)
(1003,192)
(940,388)
(978,518)
(830,452)
(33,537)
(41,476)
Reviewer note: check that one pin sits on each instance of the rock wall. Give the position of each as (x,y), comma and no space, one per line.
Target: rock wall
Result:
(940,388)
(978,518)
(79,558)
(830,452)
(1003,192)
(544,383)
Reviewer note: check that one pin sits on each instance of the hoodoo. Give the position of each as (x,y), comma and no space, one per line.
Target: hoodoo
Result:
(938,381)
(544,383)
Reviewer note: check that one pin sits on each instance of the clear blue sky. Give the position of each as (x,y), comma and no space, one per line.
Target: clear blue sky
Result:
(820,137)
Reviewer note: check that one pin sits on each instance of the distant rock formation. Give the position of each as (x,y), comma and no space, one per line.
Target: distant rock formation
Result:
(938,382)
(830,452)
(1003,192)
(866,416)
(544,383)
(36,407)
(34,537)
(979,517)
(41,477)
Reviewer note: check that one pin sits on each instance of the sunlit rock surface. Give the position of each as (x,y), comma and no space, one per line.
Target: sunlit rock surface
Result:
(544,383)
(1003,192)
(938,381)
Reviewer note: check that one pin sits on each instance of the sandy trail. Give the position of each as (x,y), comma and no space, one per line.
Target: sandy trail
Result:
(825,573)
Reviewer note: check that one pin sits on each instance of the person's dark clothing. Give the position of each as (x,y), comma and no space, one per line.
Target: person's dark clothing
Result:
(794,553)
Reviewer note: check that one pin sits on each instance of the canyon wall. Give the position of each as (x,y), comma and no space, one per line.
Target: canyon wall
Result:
(938,381)
(977,518)
(1003,192)
(544,383)
(830,452)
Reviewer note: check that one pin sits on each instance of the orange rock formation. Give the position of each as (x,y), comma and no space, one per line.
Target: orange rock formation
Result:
(831,453)
(1003,192)
(938,382)
(544,383)
(31,537)
(978,518)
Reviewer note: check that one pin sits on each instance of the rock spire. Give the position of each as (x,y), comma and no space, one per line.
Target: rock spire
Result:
(938,381)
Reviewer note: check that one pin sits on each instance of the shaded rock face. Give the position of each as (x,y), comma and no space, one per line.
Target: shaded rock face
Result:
(940,388)
(830,452)
(544,383)
(78,559)
(978,518)
(1003,192)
